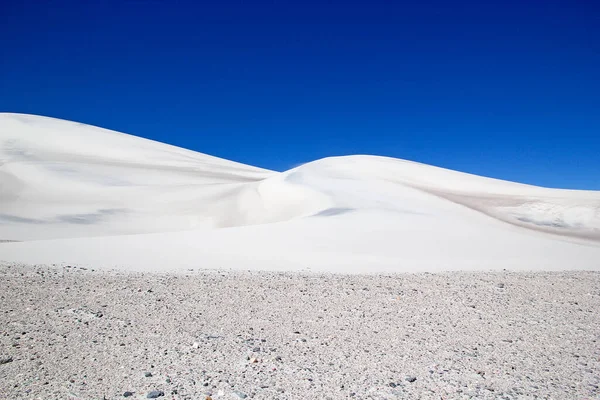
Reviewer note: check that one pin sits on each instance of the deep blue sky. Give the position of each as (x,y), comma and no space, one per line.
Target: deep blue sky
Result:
(508,89)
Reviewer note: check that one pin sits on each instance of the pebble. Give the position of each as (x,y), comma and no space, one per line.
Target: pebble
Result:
(411,378)
(127,394)
(6,360)
(240,395)
(155,394)
(148,374)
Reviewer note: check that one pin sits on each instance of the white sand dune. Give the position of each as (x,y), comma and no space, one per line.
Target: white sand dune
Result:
(73,193)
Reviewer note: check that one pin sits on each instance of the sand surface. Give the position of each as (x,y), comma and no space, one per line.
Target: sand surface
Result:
(70,333)
(69,191)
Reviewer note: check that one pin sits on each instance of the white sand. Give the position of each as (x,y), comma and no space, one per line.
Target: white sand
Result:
(73,193)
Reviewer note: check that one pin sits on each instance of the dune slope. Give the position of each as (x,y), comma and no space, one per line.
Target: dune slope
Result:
(73,193)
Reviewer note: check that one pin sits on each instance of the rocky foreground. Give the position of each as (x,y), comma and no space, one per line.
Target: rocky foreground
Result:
(72,333)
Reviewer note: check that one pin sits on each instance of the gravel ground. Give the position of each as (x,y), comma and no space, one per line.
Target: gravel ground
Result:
(71,333)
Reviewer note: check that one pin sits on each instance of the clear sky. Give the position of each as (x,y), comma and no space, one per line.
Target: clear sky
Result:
(501,88)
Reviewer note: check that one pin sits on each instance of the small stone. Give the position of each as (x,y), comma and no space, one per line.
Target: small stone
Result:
(500,285)
(392,384)
(411,379)
(240,395)
(253,360)
(196,345)
(127,394)
(6,360)
(155,394)
(148,374)
(256,349)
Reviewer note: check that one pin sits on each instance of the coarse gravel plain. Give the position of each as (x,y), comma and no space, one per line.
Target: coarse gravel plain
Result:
(72,333)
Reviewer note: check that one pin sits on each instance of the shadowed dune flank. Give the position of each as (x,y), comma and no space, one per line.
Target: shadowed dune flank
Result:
(63,183)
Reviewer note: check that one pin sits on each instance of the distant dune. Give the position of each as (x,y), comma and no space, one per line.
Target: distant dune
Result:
(74,193)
